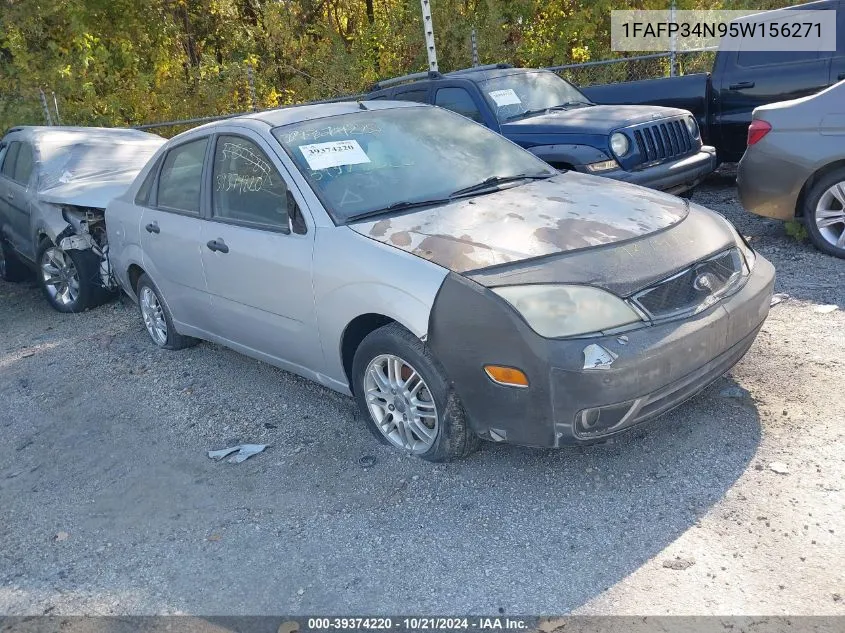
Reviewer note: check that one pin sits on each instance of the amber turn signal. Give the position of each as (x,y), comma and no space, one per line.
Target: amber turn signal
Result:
(509,376)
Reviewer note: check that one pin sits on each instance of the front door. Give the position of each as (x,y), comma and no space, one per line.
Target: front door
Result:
(258,269)
(16,175)
(171,235)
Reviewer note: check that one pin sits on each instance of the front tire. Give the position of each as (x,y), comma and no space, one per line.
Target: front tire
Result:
(406,399)
(11,268)
(156,317)
(69,280)
(824,214)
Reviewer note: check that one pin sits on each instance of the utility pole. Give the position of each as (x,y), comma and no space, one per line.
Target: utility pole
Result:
(474,40)
(251,81)
(673,44)
(428,27)
(45,106)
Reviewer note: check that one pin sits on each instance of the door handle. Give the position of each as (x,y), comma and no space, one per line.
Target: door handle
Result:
(218,246)
(152,227)
(742,85)
(10,195)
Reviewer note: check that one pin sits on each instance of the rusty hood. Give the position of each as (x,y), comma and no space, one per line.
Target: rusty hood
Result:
(568,212)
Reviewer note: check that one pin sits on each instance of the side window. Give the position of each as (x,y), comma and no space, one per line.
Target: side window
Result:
(771,58)
(3,148)
(142,198)
(419,96)
(246,186)
(458,100)
(9,161)
(181,177)
(24,164)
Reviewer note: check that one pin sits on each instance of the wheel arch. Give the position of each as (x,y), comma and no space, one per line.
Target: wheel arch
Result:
(354,333)
(811,182)
(134,273)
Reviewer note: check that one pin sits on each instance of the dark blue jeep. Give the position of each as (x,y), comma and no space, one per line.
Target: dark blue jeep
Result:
(652,146)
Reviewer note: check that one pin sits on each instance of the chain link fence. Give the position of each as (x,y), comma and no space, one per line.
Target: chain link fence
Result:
(652,66)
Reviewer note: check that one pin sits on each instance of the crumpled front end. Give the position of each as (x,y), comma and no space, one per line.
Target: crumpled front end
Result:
(585,388)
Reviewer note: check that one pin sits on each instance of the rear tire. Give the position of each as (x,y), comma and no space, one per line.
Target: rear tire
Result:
(11,268)
(405,397)
(156,317)
(69,280)
(824,213)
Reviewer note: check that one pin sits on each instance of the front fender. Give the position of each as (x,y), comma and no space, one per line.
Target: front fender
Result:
(47,220)
(569,154)
(355,275)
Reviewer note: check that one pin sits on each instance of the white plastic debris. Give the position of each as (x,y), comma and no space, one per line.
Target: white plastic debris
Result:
(826,309)
(241,452)
(779,467)
(779,298)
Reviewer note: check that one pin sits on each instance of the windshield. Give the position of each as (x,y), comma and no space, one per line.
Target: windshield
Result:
(513,96)
(93,159)
(368,161)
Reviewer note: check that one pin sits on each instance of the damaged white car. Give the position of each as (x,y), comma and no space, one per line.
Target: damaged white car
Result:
(55,183)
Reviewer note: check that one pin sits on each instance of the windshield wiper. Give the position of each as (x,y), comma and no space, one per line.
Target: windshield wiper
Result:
(561,106)
(396,206)
(495,181)
(569,104)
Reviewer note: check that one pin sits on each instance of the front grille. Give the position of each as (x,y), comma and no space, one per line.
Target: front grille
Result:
(693,289)
(660,141)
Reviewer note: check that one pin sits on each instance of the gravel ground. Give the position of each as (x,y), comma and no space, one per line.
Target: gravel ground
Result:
(731,504)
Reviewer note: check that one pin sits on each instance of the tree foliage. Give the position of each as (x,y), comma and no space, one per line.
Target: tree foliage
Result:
(124,62)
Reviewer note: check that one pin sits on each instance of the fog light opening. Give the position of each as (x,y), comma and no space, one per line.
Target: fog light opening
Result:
(602,420)
(508,376)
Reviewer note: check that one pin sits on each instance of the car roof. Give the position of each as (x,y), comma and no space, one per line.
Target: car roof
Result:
(309,112)
(69,134)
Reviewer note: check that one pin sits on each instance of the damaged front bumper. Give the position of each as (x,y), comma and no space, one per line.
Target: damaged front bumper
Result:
(582,390)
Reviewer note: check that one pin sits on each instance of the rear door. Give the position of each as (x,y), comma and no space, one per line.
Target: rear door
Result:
(257,265)
(171,234)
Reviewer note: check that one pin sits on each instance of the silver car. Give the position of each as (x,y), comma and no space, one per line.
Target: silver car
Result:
(55,183)
(454,283)
(794,166)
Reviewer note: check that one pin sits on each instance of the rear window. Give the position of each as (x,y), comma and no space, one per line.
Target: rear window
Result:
(418,96)
(180,182)
(773,58)
(10,159)
(24,164)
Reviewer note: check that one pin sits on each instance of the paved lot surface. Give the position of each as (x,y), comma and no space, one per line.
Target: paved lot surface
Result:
(110,506)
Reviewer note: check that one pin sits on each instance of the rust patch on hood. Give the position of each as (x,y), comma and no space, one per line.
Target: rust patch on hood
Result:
(567,212)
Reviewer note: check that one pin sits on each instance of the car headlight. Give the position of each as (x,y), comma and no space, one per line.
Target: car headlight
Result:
(748,253)
(692,126)
(619,144)
(558,310)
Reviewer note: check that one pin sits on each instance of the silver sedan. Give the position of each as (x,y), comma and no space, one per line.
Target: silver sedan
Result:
(454,283)
(794,166)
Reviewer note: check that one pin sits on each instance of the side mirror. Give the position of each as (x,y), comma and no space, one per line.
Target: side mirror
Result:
(296,221)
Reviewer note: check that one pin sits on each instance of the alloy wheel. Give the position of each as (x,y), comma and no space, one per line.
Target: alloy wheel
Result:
(153,315)
(401,403)
(61,279)
(830,215)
